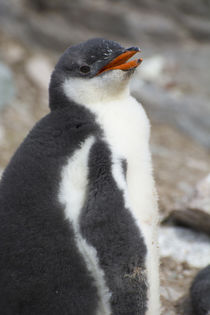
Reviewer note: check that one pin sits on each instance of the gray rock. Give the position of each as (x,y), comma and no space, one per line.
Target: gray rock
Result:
(195,212)
(7,85)
(201,196)
(37,65)
(193,218)
(199,28)
(193,7)
(184,245)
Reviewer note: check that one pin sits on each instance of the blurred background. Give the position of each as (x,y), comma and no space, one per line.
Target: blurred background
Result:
(173,83)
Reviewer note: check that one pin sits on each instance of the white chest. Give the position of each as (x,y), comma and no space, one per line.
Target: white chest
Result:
(126,130)
(125,125)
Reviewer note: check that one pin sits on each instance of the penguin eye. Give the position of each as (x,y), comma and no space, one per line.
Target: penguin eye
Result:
(84,69)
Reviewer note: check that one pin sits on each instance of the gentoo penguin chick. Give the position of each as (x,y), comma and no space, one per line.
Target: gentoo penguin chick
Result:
(78,207)
(200,292)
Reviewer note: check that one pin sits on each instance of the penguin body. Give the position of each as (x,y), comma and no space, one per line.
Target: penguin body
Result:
(77,200)
(200,292)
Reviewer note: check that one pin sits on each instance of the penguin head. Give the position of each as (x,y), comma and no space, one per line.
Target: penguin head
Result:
(91,72)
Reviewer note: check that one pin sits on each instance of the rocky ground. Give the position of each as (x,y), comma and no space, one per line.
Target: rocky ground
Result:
(178,105)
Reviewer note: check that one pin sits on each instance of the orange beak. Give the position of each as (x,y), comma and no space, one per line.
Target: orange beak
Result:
(120,62)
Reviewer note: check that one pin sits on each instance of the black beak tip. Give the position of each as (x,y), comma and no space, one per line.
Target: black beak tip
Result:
(137,49)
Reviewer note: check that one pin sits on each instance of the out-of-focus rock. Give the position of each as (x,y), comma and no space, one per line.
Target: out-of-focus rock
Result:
(2,133)
(133,20)
(15,53)
(199,28)
(152,69)
(201,196)
(170,293)
(195,211)
(192,218)
(7,85)
(39,70)
(184,245)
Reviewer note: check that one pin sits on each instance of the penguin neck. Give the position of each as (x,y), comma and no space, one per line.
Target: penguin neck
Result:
(57,98)
(97,90)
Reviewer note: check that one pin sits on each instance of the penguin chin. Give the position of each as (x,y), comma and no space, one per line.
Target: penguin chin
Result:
(114,81)
(110,85)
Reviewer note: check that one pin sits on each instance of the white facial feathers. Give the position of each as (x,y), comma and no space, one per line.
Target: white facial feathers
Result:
(102,88)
